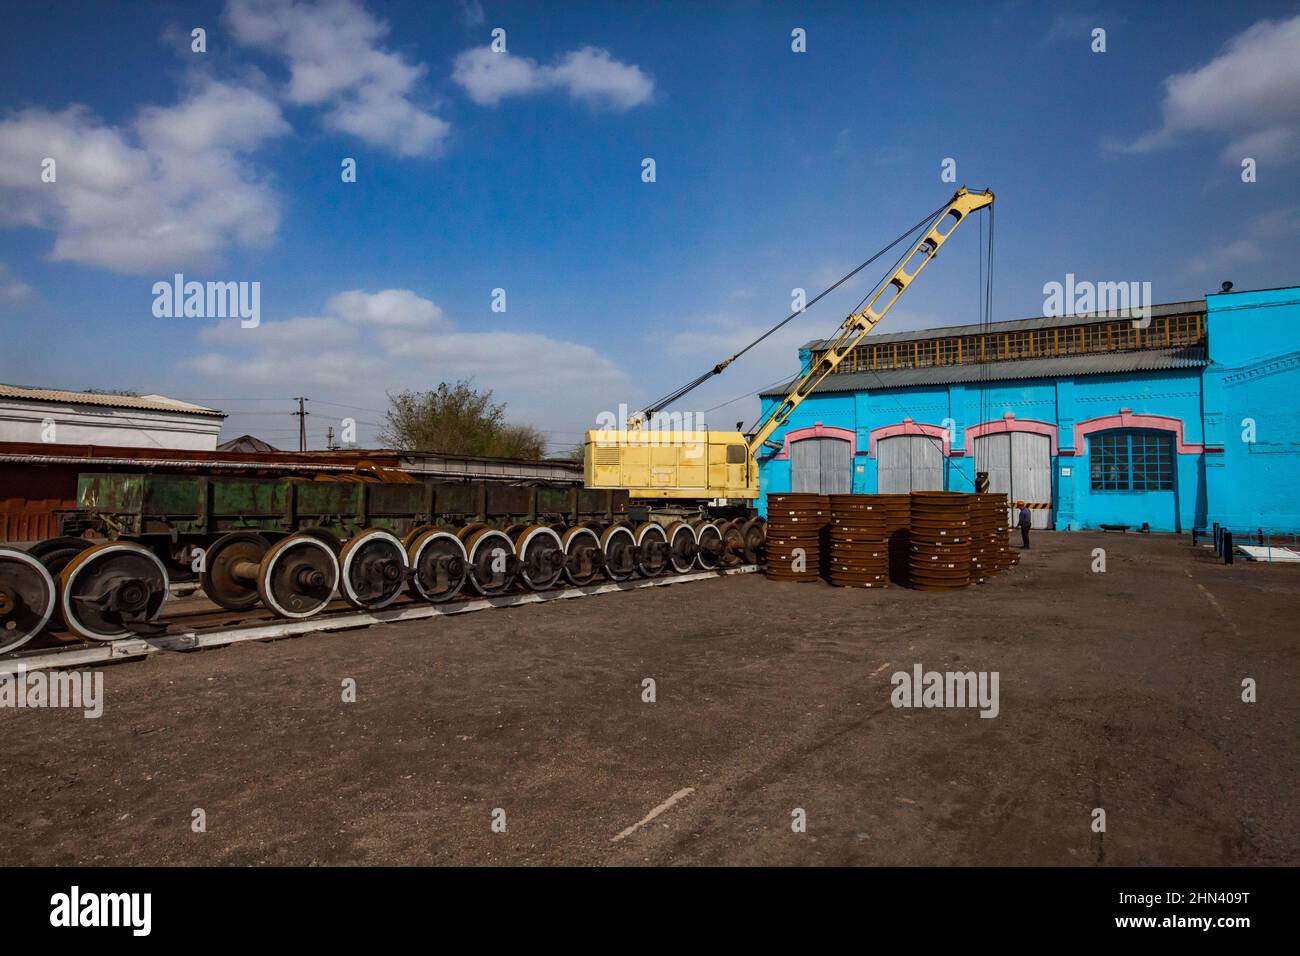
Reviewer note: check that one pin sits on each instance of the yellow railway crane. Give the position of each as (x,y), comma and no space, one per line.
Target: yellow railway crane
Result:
(690,468)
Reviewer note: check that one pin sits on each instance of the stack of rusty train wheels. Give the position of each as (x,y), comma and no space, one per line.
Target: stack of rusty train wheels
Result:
(940,540)
(795,527)
(858,555)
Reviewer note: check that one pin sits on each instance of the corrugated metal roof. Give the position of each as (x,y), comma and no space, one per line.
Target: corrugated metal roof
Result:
(152,403)
(1015,325)
(1144,361)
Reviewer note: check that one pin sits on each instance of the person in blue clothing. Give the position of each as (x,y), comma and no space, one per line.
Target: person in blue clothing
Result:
(1023,521)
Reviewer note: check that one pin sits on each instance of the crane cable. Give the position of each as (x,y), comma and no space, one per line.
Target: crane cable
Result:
(673,396)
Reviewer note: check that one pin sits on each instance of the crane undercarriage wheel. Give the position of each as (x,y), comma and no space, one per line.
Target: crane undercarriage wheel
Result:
(621,553)
(230,568)
(493,564)
(583,557)
(439,565)
(372,569)
(652,550)
(682,546)
(541,557)
(709,538)
(113,590)
(298,576)
(28,597)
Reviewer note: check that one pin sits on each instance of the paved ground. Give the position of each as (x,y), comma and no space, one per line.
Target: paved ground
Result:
(1119,690)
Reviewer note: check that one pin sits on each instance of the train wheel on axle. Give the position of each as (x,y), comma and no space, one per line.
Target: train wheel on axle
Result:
(298,576)
(754,532)
(709,538)
(372,569)
(230,569)
(621,554)
(652,546)
(541,557)
(439,566)
(28,597)
(583,558)
(681,546)
(113,590)
(492,562)
(733,543)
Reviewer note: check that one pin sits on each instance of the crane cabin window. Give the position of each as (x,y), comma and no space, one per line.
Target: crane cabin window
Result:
(736,454)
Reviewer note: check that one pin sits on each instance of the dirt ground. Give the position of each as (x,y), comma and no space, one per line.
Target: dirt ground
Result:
(1118,690)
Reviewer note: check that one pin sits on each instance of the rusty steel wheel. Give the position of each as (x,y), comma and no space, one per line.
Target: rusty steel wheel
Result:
(733,543)
(753,532)
(493,565)
(298,576)
(709,538)
(372,569)
(583,558)
(229,570)
(541,557)
(652,548)
(113,590)
(467,531)
(621,553)
(681,546)
(413,535)
(439,566)
(28,597)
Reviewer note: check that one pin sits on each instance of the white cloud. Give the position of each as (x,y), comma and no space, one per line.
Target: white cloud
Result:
(1250,92)
(335,60)
(589,75)
(368,344)
(171,189)
(13,291)
(391,307)
(301,332)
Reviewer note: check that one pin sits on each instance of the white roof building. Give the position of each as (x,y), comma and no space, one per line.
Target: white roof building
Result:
(90,418)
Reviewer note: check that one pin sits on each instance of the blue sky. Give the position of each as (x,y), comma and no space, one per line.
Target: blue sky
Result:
(522,171)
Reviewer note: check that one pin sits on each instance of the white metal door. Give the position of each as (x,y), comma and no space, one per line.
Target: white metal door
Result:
(805,467)
(1031,474)
(1019,465)
(820,466)
(907,463)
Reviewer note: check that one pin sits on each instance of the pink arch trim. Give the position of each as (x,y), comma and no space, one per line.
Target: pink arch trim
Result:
(1009,423)
(907,427)
(1126,419)
(818,430)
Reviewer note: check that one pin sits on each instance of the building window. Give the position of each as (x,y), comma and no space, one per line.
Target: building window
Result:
(1132,461)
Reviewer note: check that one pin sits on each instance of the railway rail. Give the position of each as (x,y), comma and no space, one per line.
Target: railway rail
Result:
(204,627)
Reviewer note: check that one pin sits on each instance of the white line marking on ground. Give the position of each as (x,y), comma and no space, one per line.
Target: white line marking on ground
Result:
(1215,605)
(880,668)
(666,805)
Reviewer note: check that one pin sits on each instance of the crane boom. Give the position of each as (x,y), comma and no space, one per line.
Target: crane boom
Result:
(859,323)
(682,466)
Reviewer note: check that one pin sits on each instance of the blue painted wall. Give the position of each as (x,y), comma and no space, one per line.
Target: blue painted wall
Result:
(1254,378)
(1254,375)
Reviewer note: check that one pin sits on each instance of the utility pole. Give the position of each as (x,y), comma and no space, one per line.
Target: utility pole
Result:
(329,438)
(302,414)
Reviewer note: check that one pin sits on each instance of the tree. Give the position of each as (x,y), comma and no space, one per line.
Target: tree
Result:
(457,420)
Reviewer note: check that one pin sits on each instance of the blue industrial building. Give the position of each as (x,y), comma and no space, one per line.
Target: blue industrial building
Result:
(1189,419)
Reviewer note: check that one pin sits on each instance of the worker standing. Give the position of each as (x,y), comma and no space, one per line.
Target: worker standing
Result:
(1023,521)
